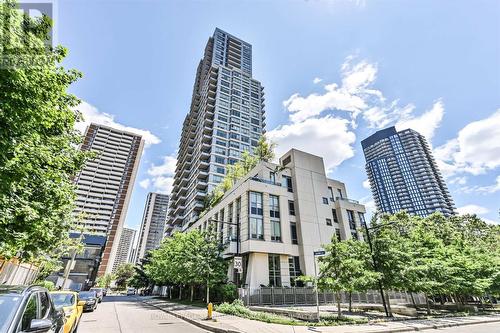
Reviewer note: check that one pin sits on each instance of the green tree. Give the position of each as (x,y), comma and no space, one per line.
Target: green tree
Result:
(347,267)
(191,259)
(123,274)
(104,281)
(39,153)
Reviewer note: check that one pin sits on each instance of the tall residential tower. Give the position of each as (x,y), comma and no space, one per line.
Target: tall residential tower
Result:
(403,174)
(125,248)
(153,224)
(226,118)
(104,185)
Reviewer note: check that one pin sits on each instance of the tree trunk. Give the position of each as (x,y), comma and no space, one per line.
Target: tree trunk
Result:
(350,301)
(192,293)
(180,292)
(339,312)
(388,302)
(413,301)
(170,290)
(428,304)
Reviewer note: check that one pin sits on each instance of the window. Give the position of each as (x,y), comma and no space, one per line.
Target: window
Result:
(274,270)
(294,267)
(219,170)
(291,208)
(337,232)
(220,160)
(276,230)
(256,228)
(221,133)
(272,177)
(255,219)
(293,232)
(256,203)
(340,193)
(334,214)
(274,206)
(350,217)
(287,182)
(325,201)
(30,312)
(45,304)
(361,218)
(328,221)
(332,197)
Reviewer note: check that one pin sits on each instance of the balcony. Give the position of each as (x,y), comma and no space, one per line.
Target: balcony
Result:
(266,181)
(347,200)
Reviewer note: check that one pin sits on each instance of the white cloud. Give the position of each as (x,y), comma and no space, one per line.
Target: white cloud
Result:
(475,150)
(162,176)
(472,209)
(366,184)
(356,78)
(317,80)
(458,180)
(145,183)
(166,168)
(488,189)
(92,115)
(427,123)
(328,137)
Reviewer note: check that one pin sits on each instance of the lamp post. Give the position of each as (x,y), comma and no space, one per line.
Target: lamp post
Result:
(237,241)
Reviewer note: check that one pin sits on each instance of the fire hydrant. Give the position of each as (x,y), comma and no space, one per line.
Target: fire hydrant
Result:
(209,308)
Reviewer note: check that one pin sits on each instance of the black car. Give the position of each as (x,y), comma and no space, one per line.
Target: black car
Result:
(28,309)
(90,298)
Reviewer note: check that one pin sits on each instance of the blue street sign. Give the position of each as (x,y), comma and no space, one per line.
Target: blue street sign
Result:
(319,253)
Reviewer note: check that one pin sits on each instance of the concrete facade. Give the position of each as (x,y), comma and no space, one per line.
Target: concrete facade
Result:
(285,212)
(226,118)
(153,224)
(105,184)
(125,248)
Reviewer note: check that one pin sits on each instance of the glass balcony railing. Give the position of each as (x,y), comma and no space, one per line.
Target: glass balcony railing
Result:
(266,181)
(348,200)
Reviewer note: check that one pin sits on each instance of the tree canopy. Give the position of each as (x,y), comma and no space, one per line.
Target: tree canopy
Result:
(39,154)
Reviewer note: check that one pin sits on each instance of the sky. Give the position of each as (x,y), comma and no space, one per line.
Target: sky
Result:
(334,72)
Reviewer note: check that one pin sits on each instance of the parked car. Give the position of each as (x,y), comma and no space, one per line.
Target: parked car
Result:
(28,309)
(72,307)
(90,298)
(130,291)
(99,292)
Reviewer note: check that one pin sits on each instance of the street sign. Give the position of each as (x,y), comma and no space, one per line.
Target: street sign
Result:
(319,253)
(238,264)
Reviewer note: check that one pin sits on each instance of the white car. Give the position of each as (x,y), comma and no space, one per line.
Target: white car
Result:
(130,291)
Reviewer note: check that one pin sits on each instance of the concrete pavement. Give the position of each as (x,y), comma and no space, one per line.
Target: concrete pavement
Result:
(127,314)
(233,324)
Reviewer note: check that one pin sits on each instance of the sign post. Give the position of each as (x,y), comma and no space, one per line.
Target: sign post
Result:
(318,253)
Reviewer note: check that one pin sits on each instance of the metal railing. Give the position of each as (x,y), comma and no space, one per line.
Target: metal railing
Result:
(266,181)
(305,296)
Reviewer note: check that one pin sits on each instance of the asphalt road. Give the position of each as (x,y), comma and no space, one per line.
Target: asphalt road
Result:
(127,314)
(479,328)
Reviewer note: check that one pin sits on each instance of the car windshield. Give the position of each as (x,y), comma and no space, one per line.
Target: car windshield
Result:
(96,289)
(87,294)
(8,306)
(61,300)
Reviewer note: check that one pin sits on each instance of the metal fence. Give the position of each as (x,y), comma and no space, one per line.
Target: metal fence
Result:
(306,296)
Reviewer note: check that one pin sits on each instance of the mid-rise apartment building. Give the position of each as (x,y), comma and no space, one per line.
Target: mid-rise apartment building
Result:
(285,212)
(226,118)
(153,224)
(125,248)
(104,185)
(403,174)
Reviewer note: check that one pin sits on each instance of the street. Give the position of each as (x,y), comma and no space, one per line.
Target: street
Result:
(127,314)
(479,328)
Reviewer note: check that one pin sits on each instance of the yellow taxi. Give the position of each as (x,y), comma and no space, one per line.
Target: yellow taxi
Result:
(68,301)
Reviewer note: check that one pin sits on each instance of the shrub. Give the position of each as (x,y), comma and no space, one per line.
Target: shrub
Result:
(47,284)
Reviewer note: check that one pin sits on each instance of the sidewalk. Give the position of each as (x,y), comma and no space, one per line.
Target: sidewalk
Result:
(233,324)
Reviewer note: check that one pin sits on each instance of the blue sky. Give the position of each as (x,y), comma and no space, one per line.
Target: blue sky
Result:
(333,71)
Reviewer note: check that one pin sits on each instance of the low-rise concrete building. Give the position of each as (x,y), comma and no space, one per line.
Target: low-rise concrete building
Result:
(283,212)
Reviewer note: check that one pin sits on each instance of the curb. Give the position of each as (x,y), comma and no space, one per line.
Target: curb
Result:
(194,322)
(396,330)
(430,327)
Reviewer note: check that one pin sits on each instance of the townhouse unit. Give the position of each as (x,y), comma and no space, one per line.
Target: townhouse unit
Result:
(278,215)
